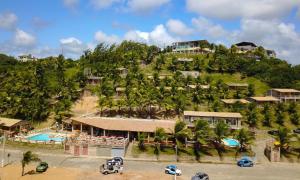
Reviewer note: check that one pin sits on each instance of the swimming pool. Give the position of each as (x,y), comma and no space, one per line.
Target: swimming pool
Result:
(46,137)
(231,142)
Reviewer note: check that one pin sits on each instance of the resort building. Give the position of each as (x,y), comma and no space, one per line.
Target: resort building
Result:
(13,126)
(263,100)
(25,58)
(193,74)
(237,86)
(120,127)
(185,60)
(199,47)
(191,87)
(94,80)
(120,91)
(245,46)
(285,95)
(234,101)
(123,72)
(232,119)
(271,53)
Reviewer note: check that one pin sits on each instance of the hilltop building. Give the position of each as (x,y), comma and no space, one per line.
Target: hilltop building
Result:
(25,58)
(285,95)
(245,46)
(197,47)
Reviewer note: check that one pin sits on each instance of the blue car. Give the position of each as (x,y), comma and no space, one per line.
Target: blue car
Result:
(172,169)
(245,162)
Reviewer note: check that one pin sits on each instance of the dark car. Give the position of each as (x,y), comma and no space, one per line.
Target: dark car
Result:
(200,176)
(273,132)
(42,167)
(115,161)
(297,130)
(245,162)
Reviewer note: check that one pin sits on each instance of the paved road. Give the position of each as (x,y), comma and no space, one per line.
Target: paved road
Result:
(269,171)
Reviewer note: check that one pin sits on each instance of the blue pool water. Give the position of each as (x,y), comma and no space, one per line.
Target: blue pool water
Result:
(45,137)
(231,142)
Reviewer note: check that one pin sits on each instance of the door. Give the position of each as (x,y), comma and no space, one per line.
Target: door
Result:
(76,151)
(85,149)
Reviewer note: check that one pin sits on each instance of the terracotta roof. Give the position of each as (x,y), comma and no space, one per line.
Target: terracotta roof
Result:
(237,84)
(265,99)
(213,114)
(285,90)
(7,122)
(127,124)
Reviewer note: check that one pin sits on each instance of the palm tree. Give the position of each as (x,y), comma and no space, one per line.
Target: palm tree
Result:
(202,135)
(27,158)
(283,137)
(221,131)
(181,132)
(159,136)
(141,138)
(244,137)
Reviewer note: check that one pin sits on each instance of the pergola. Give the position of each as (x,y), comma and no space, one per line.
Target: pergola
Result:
(12,126)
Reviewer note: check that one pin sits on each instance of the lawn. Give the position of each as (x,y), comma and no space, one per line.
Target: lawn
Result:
(188,152)
(24,146)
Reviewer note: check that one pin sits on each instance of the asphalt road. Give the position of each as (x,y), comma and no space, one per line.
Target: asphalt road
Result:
(265,171)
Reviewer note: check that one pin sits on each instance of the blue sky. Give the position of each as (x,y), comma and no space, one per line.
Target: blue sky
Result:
(43,28)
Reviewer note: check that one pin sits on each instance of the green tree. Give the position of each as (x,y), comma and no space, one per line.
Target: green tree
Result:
(252,115)
(284,138)
(141,138)
(159,136)
(202,136)
(245,138)
(221,131)
(269,116)
(251,90)
(28,157)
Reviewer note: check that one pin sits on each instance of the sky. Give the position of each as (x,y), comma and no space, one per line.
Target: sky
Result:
(50,27)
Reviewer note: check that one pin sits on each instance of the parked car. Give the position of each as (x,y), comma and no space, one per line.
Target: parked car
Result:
(200,176)
(42,167)
(109,169)
(297,130)
(273,132)
(115,161)
(172,169)
(245,162)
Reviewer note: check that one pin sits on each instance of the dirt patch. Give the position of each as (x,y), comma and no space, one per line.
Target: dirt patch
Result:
(86,105)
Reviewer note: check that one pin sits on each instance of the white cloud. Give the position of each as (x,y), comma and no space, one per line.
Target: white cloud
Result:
(145,6)
(158,36)
(208,28)
(71,4)
(8,21)
(72,47)
(23,39)
(138,36)
(102,4)
(229,9)
(109,39)
(281,37)
(178,27)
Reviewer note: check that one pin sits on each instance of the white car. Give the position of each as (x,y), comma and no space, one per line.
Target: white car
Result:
(172,169)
